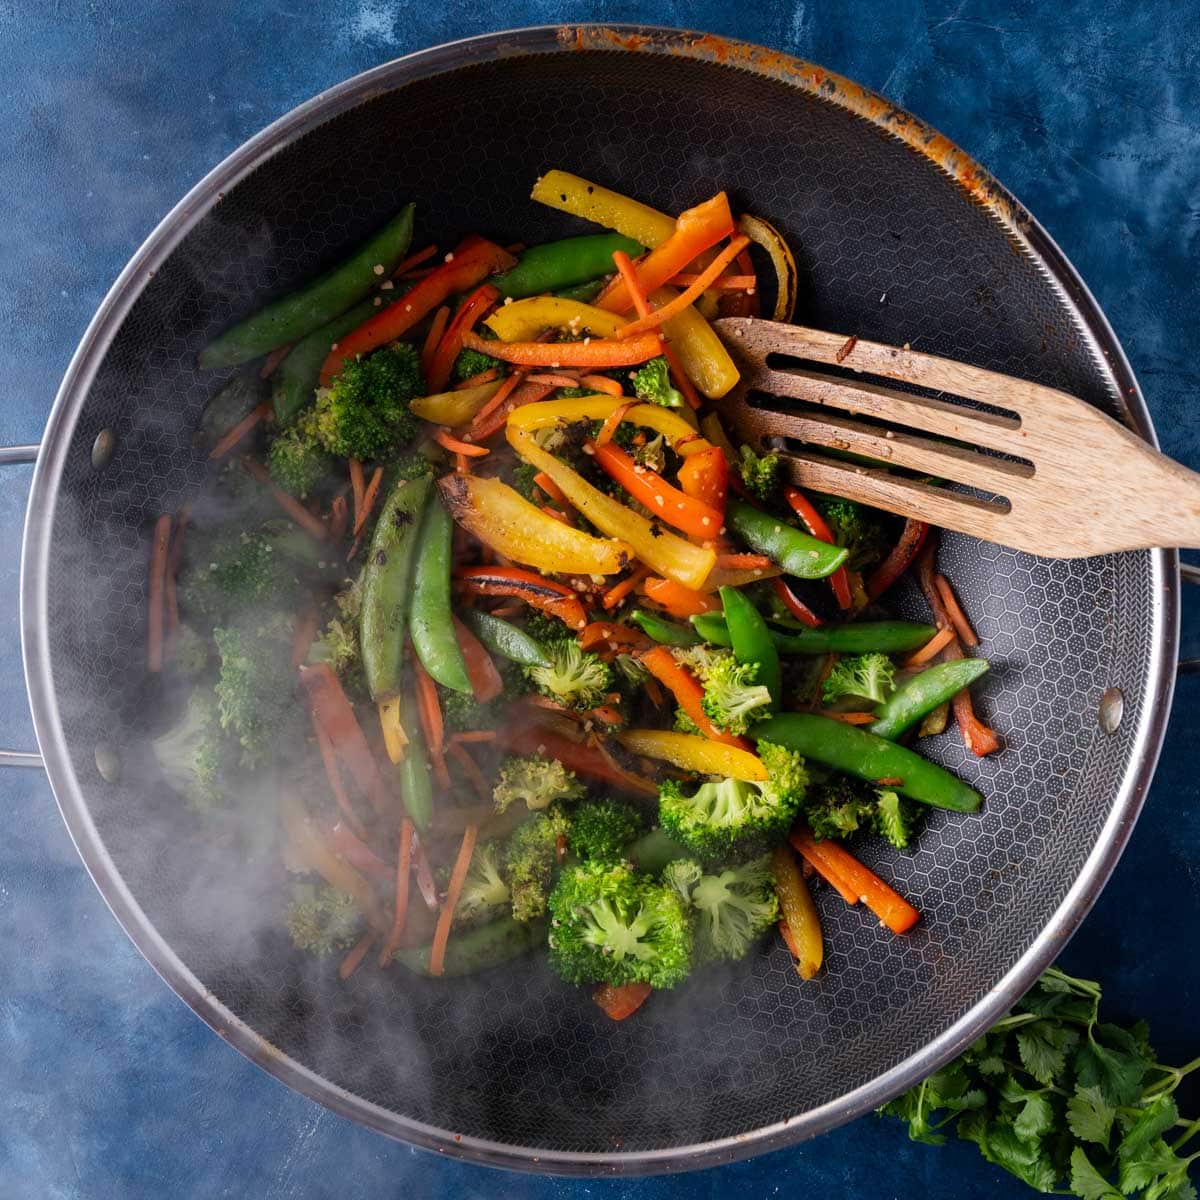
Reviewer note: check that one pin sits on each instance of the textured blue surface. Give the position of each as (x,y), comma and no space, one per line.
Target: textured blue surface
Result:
(1087,109)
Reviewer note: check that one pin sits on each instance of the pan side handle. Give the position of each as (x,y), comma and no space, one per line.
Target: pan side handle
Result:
(10,456)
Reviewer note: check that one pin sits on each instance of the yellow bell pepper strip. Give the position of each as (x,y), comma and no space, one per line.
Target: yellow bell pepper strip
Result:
(669,422)
(395,739)
(688,693)
(700,351)
(504,520)
(696,230)
(691,753)
(714,431)
(455,408)
(659,549)
(799,913)
(648,488)
(594,353)
(523,320)
(581,198)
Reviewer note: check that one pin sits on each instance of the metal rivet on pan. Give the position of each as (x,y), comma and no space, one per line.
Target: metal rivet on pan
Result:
(108,763)
(1112,709)
(102,448)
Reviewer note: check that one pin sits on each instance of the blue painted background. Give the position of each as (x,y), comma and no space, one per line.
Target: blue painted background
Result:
(1088,109)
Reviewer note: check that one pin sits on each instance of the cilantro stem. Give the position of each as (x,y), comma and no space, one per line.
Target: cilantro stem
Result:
(1174,1076)
(1189,1133)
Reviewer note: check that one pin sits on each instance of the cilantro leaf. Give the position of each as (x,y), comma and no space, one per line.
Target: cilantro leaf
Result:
(1023,1157)
(1090,1116)
(1043,1048)
(1153,1122)
(1035,1118)
(1087,1182)
(1136,1171)
(1112,1059)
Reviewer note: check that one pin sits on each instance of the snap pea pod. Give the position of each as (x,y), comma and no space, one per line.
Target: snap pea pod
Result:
(476,950)
(555,265)
(751,641)
(317,302)
(857,752)
(923,693)
(652,851)
(861,637)
(295,380)
(416,784)
(585,293)
(430,623)
(666,633)
(797,553)
(505,639)
(386,586)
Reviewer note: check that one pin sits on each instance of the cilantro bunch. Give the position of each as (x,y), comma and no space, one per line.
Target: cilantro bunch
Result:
(1064,1101)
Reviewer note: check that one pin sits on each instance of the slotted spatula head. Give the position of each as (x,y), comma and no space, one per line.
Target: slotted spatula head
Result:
(1000,458)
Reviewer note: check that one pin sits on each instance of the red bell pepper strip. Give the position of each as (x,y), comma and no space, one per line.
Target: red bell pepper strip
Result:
(900,559)
(621,1000)
(795,605)
(470,312)
(667,503)
(688,693)
(575,756)
(540,593)
(472,261)
(705,477)
(816,524)
(598,353)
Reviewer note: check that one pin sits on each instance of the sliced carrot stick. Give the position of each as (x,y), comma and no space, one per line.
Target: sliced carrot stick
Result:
(436,328)
(230,439)
(887,904)
(654,692)
(958,618)
(934,646)
(743,562)
(339,518)
(400,907)
(414,260)
(271,364)
(554,379)
(481,671)
(726,283)
(430,712)
(619,591)
(689,295)
(469,768)
(304,632)
(621,1000)
(159,548)
(458,876)
(601,383)
(551,489)
(312,525)
(470,736)
(448,441)
(551,511)
(370,495)
(353,960)
(851,718)
(611,422)
(477,380)
(688,693)
(357,487)
(336,786)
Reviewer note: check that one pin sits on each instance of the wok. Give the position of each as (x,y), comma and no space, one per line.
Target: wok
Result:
(900,238)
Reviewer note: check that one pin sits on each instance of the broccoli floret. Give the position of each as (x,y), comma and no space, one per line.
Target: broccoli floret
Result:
(470,363)
(297,460)
(546,630)
(192,655)
(322,919)
(732,700)
(530,859)
(364,413)
(460,710)
(254,689)
(732,908)
(653,384)
(523,480)
(536,781)
(338,644)
(611,925)
(410,465)
(602,830)
(485,894)
(653,454)
(731,820)
(759,473)
(575,678)
(868,676)
(191,754)
(856,527)
(685,724)
(838,805)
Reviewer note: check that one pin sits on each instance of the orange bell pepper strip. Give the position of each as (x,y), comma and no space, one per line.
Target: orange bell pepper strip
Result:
(696,230)
(437,374)
(679,601)
(621,1000)
(705,477)
(486,683)
(472,261)
(543,594)
(688,693)
(816,524)
(667,503)
(599,353)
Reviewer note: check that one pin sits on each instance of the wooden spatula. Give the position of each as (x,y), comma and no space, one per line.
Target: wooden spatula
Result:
(1084,483)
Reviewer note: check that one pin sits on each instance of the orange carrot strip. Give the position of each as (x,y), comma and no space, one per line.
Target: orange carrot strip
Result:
(470,770)
(647,487)
(591,352)
(607,714)
(887,904)
(273,360)
(458,876)
(159,548)
(958,618)
(551,489)
(430,712)
(816,524)
(370,495)
(688,693)
(601,383)
(354,959)
(400,908)
(935,645)
(470,736)
(244,426)
(851,718)
(611,423)
(357,488)
(336,786)
(689,295)
(619,591)
(554,380)
(436,328)
(679,601)
(312,525)
(550,511)
(477,380)
(621,1000)
(448,441)
(339,518)
(414,260)
(727,283)
(743,562)
(304,631)
(486,683)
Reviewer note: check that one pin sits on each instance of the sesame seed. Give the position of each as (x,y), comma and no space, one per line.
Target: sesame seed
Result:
(722,529)
(377,302)
(334,346)
(778,528)
(587,341)
(408,308)
(706,521)
(659,501)
(508,300)
(589,449)
(449,257)
(814,554)
(378,268)
(758,570)
(386,285)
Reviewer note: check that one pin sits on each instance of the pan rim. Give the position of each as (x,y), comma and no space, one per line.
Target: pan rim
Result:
(68,406)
